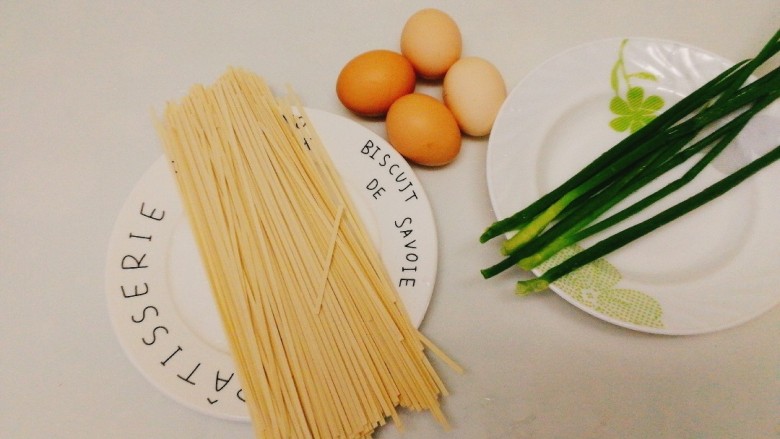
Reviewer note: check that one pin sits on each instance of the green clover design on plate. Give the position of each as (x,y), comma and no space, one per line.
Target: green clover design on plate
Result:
(633,109)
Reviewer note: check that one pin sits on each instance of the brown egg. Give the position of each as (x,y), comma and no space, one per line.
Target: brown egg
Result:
(432,42)
(369,83)
(423,130)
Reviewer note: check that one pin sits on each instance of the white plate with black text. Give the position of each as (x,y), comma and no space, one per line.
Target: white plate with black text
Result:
(158,294)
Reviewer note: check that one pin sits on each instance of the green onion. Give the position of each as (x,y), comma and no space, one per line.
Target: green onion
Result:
(765,90)
(674,114)
(632,233)
(670,140)
(578,232)
(570,212)
(549,205)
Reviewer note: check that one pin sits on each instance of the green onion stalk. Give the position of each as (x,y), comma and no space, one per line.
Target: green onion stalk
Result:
(572,228)
(632,233)
(566,214)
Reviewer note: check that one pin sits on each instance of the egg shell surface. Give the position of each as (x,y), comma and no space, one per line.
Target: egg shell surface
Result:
(474,91)
(369,83)
(423,130)
(432,42)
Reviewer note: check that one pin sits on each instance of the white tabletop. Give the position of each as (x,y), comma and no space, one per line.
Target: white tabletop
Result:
(78,82)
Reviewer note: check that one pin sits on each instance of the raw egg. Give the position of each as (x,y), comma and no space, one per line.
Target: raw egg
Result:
(369,83)
(423,130)
(474,90)
(431,41)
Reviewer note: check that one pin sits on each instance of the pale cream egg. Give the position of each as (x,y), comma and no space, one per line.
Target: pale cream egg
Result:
(432,42)
(474,91)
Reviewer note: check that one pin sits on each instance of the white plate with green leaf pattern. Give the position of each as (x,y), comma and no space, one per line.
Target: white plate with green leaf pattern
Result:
(712,269)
